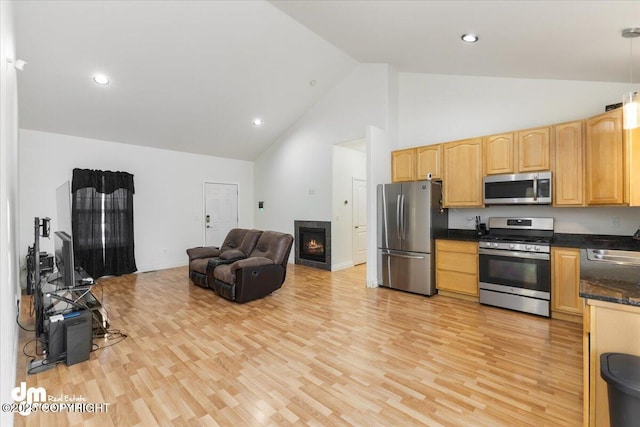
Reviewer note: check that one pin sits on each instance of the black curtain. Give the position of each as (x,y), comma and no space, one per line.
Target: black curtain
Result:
(102,202)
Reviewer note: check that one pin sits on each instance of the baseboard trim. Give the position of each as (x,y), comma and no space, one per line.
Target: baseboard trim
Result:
(342,266)
(150,268)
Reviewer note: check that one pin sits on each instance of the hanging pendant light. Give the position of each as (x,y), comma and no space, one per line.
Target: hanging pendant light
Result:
(630,110)
(631,100)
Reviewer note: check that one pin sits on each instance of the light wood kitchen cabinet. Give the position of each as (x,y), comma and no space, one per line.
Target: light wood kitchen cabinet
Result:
(457,268)
(520,152)
(403,165)
(566,303)
(429,161)
(632,166)
(612,155)
(462,173)
(605,159)
(499,154)
(568,162)
(608,328)
(533,150)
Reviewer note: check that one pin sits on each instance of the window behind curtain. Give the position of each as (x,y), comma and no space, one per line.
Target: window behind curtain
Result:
(102,220)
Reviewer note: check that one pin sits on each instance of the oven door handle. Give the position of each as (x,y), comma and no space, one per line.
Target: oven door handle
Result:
(514,254)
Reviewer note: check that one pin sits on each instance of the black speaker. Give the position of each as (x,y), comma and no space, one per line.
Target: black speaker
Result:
(78,337)
(55,338)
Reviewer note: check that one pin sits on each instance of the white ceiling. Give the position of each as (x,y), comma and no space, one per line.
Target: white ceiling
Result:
(567,40)
(191,75)
(185,75)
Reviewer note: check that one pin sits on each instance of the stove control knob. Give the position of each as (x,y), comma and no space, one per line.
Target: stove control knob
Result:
(495,245)
(512,246)
(537,248)
(528,247)
(488,244)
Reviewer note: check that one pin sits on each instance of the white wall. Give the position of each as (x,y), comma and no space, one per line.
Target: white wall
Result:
(9,265)
(168,200)
(347,165)
(439,108)
(293,177)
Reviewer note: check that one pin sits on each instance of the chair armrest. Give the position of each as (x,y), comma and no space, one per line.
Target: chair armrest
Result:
(251,263)
(203,252)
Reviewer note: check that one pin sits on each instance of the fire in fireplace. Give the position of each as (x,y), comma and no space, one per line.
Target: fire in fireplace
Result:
(312,244)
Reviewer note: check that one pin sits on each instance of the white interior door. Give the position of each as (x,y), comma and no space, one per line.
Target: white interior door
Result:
(359,221)
(220,211)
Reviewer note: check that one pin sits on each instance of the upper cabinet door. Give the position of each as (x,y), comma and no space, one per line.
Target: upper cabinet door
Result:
(428,161)
(533,150)
(403,164)
(462,173)
(605,159)
(499,154)
(568,159)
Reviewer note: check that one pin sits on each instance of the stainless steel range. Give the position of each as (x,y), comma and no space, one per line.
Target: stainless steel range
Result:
(515,264)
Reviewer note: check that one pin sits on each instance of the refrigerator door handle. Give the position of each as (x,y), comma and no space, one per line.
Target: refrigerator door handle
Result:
(397,255)
(398,217)
(407,256)
(403,222)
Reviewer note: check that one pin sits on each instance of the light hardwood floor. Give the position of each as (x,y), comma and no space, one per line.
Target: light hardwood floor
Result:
(323,350)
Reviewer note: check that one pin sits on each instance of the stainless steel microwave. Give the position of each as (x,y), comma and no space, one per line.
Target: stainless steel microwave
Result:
(518,189)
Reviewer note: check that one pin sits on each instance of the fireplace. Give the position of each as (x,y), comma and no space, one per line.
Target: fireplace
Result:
(313,244)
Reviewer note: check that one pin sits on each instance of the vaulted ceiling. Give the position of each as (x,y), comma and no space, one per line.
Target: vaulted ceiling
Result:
(192,75)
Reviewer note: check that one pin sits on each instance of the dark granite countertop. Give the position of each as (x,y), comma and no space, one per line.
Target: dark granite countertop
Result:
(596,241)
(617,291)
(459,234)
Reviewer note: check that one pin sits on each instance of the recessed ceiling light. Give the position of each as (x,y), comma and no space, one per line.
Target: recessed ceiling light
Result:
(257,121)
(101,79)
(469,38)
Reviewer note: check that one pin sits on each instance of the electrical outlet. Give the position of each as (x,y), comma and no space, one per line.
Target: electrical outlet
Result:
(615,222)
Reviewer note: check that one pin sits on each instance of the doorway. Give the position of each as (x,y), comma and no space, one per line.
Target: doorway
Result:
(220,211)
(359,238)
(349,207)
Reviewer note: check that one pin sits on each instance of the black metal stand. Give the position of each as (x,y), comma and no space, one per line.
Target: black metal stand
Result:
(39,224)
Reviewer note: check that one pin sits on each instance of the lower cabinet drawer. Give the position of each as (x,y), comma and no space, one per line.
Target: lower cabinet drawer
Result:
(457,262)
(457,282)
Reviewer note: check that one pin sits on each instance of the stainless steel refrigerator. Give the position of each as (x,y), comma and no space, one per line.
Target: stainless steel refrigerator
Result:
(410,216)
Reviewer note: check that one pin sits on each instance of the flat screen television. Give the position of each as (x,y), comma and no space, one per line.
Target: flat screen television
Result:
(63,247)
(63,208)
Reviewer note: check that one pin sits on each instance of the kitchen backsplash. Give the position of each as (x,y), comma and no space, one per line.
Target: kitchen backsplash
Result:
(622,221)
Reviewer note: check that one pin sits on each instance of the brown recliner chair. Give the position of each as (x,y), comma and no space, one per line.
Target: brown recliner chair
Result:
(238,243)
(261,273)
